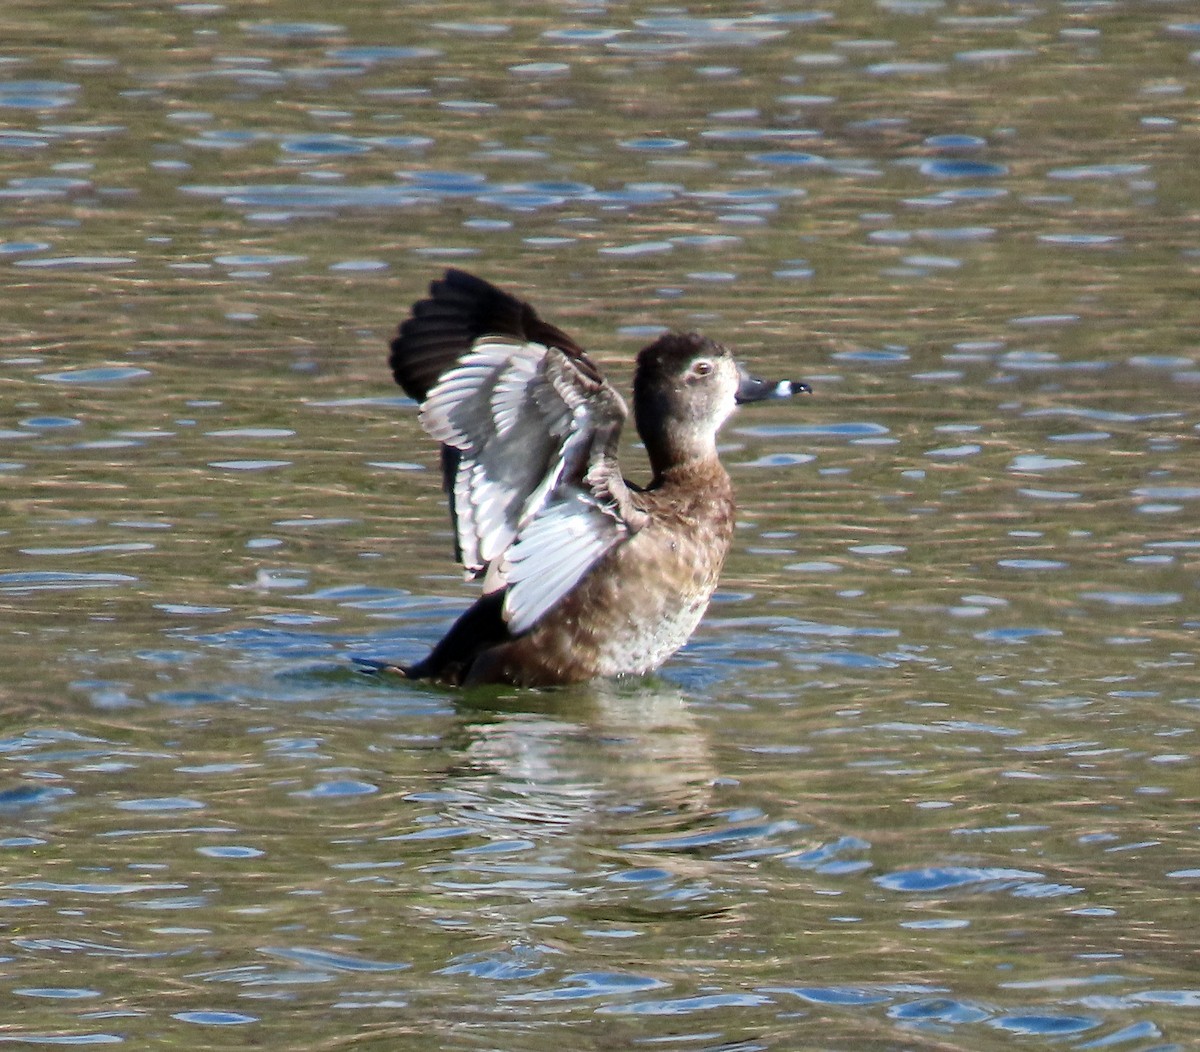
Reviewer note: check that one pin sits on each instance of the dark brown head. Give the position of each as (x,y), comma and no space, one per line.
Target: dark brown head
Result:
(685,387)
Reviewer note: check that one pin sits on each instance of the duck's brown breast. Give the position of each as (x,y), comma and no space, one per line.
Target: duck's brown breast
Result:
(640,603)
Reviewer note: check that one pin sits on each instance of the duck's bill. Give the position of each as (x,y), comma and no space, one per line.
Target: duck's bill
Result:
(755,389)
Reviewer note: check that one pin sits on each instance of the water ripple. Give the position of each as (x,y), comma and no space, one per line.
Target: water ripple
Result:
(210,1017)
(944,878)
(940,1010)
(586,985)
(677,1006)
(840,996)
(1116,598)
(85,888)
(107,374)
(336,961)
(1045,1025)
(51,580)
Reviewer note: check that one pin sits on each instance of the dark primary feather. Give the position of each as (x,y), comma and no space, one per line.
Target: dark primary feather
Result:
(459,310)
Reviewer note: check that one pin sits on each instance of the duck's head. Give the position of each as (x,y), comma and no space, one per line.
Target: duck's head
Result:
(685,387)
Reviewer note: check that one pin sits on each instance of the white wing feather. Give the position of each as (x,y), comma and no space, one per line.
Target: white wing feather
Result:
(553,553)
(529,429)
(500,465)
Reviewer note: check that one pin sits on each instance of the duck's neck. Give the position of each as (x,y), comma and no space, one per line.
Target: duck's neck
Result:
(700,474)
(680,450)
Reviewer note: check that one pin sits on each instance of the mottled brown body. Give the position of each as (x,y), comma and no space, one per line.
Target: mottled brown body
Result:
(641,602)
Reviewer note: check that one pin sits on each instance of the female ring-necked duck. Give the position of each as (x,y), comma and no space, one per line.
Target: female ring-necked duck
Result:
(584,574)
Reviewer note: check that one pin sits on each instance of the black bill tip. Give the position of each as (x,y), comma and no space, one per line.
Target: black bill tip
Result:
(755,389)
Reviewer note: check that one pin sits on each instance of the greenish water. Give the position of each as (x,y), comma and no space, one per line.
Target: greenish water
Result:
(926,776)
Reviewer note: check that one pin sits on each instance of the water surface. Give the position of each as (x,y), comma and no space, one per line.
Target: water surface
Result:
(925,777)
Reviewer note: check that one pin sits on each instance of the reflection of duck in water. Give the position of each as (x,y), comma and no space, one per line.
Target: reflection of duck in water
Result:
(630,753)
(584,574)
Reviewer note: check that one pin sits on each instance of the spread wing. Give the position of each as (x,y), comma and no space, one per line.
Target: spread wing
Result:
(529,432)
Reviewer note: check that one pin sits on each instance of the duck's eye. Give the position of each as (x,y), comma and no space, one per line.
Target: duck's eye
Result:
(702,368)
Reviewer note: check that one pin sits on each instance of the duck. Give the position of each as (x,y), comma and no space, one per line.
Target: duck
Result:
(584,574)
